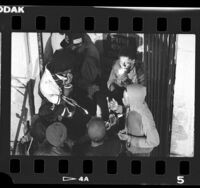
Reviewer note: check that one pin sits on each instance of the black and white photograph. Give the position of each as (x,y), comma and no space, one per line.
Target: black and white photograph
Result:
(102,94)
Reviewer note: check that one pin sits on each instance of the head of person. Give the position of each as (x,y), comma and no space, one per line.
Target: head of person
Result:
(56,134)
(96,130)
(134,95)
(61,67)
(127,58)
(74,42)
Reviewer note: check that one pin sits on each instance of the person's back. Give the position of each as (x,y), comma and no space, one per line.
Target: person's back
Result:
(110,147)
(54,143)
(46,149)
(100,144)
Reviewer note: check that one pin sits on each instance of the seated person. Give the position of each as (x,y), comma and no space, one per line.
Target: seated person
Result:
(140,133)
(55,142)
(100,144)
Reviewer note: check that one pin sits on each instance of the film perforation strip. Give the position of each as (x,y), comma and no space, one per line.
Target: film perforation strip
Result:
(160,168)
(113,23)
(87,166)
(185,24)
(65,23)
(137,24)
(89,23)
(39,166)
(136,167)
(40,22)
(161,24)
(63,166)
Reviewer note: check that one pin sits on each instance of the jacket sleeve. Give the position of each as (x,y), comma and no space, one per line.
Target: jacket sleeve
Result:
(113,77)
(150,141)
(89,72)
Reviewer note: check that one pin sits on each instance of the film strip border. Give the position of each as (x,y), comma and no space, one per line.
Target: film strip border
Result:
(99,170)
(113,24)
(115,171)
(99,19)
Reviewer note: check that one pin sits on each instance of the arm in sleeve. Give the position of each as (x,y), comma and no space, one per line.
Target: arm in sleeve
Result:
(151,140)
(111,79)
(113,74)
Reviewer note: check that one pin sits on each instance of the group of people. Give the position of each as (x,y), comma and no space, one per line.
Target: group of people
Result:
(81,115)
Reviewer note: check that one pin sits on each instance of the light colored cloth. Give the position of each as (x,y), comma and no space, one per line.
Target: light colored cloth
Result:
(146,130)
(49,88)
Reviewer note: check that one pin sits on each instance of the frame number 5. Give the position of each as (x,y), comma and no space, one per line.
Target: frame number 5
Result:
(180,179)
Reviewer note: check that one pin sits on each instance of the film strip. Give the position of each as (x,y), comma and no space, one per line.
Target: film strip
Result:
(163,47)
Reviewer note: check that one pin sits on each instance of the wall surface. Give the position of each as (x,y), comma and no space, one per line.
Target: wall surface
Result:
(182,143)
(24,66)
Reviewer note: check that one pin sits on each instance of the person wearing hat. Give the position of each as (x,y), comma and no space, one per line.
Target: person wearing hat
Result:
(56,84)
(87,69)
(100,144)
(55,142)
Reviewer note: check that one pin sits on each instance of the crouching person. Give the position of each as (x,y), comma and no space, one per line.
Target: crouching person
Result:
(140,133)
(56,142)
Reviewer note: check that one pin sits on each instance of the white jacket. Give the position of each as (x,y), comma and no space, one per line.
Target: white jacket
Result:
(49,88)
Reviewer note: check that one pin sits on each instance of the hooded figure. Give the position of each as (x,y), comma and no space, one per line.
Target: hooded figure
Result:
(140,130)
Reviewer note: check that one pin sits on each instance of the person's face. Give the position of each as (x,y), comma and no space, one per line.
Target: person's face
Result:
(125,99)
(126,62)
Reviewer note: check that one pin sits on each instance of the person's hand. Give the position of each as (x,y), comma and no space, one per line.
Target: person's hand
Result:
(122,136)
(112,119)
(107,125)
(113,105)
